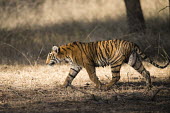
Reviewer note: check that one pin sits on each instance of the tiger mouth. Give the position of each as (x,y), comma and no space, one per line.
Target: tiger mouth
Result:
(51,63)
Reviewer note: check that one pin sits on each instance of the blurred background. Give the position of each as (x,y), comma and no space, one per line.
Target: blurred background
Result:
(29,28)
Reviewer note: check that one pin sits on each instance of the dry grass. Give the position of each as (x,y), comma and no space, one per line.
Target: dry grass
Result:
(37,89)
(29,28)
(26,77)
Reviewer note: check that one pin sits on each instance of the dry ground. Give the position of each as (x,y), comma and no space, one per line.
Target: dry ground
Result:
(45,23)
(38,89)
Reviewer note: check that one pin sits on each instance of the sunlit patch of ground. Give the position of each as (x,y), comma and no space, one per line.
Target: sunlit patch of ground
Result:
(38,89)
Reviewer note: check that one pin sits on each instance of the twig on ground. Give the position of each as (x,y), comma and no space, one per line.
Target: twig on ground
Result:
(17,93)
(93,97)
(157,91)
(119,96)
(73,87)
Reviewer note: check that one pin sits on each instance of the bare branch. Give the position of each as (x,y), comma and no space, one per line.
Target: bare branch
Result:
(39,56)
(23,54)
(88,36)
(163,9)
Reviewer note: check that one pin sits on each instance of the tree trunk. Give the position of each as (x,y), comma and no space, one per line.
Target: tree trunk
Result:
(135,17)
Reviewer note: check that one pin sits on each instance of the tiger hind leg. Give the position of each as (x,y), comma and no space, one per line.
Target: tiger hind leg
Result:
(115,69)
(136,63)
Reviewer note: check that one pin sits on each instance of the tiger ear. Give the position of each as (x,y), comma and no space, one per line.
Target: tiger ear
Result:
(56,49)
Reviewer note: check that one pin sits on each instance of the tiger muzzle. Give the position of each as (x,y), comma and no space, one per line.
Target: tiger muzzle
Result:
(54,61)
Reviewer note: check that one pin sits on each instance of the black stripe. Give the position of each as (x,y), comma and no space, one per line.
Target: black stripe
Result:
(116,60)
(91,50)
(95,50)
(139,66)
(134,64)
(145,57)
(76,60)
(136,59)
(81,53)
(71,45)
(115,71)
(142,70)
(64,49)
(69,48)
(98,53)
(113,52)
(115,76)
(111,46)
(140,53)
(71,75)
(83,50)
(103,58)
(115,66)
(74,70)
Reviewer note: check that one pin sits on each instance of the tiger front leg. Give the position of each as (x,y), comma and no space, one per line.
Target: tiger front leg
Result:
(92,75)
(72,74)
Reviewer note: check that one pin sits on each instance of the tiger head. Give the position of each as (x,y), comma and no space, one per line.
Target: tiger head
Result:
(55,56)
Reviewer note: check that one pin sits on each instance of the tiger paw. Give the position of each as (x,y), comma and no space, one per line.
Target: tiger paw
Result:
(65,85)
(98,86)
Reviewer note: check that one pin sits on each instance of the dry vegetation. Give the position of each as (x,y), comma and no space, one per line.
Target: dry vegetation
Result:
(38,89)
(28,29)
(32,26)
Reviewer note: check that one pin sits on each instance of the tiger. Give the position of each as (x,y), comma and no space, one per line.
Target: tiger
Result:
(111,53)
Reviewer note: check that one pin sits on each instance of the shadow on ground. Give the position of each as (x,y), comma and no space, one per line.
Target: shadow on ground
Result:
(124,97)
